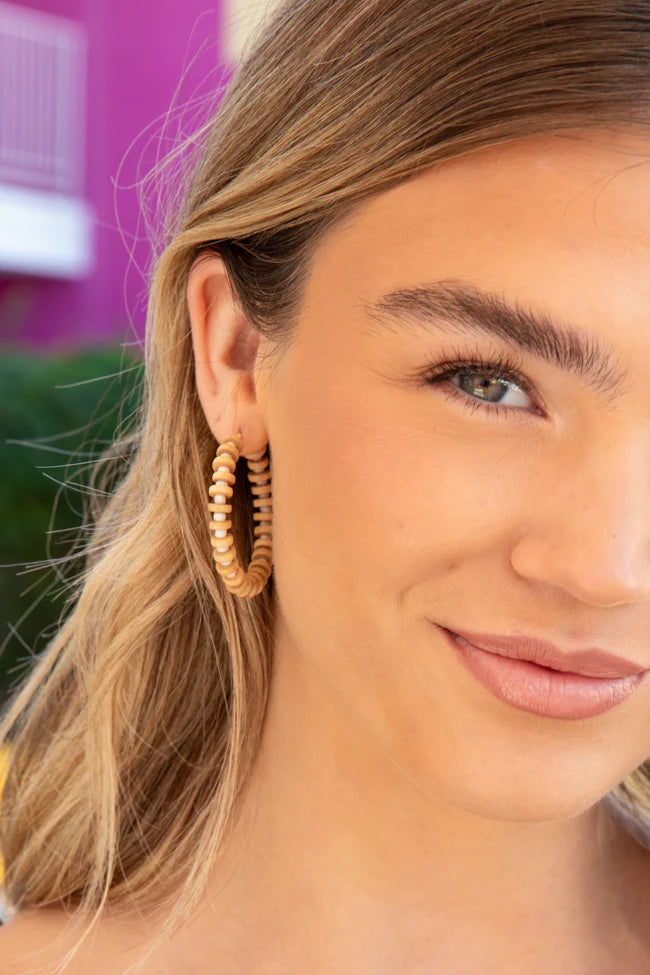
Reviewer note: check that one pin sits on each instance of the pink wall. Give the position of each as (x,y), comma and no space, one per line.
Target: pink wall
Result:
(138,50)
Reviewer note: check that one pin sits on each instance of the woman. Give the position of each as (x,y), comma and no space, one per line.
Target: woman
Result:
(407,291)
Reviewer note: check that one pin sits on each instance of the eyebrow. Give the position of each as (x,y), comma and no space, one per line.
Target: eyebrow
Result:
(453,304)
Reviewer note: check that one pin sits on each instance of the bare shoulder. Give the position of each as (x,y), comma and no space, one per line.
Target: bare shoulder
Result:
(38,941)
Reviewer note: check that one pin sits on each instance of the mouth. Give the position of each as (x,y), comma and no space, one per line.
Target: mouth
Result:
(540,689)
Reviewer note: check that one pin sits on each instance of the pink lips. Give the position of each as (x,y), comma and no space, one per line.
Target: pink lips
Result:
(589,663)
(508,672)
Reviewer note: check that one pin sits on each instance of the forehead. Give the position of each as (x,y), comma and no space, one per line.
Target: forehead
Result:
(574,183)
(560,222)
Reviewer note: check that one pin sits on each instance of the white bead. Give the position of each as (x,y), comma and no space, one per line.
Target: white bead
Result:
(219,499)
(265,509)
(220,533)
(223,550)
(231,575)
(223,469)
(218,515)
(227,563)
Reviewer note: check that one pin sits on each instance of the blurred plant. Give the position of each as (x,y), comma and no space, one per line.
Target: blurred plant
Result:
(57,414)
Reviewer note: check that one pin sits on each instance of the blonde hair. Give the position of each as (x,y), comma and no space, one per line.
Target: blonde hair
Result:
(133,736)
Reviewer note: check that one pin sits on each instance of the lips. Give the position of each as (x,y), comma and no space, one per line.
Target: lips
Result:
(540,690)
(591,662)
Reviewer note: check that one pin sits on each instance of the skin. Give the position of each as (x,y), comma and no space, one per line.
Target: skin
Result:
(400,818)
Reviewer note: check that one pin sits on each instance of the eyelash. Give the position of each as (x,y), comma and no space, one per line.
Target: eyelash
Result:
(501,366)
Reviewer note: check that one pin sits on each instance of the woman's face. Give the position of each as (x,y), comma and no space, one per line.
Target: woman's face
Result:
(402,506)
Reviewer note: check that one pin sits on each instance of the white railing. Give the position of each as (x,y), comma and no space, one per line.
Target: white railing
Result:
(42,100)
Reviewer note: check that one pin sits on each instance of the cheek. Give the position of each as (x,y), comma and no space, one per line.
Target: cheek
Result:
(339,486)
(336,489)
(378,491)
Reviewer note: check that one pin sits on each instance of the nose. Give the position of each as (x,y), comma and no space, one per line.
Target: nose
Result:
(590,532)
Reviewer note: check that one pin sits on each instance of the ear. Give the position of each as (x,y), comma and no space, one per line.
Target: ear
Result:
(225,346)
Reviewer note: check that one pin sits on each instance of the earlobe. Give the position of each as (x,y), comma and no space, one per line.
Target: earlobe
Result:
(225,346)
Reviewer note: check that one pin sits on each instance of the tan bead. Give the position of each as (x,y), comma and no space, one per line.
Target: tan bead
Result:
(223,477)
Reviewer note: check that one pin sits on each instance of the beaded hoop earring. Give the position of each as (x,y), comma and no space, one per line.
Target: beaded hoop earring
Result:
(245,584)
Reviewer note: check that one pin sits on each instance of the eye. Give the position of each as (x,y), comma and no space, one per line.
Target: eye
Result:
(493,384)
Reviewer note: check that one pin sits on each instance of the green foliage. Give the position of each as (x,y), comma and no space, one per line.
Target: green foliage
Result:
(57,413)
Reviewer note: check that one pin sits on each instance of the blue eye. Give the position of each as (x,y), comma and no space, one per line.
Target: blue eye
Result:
(483,384)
